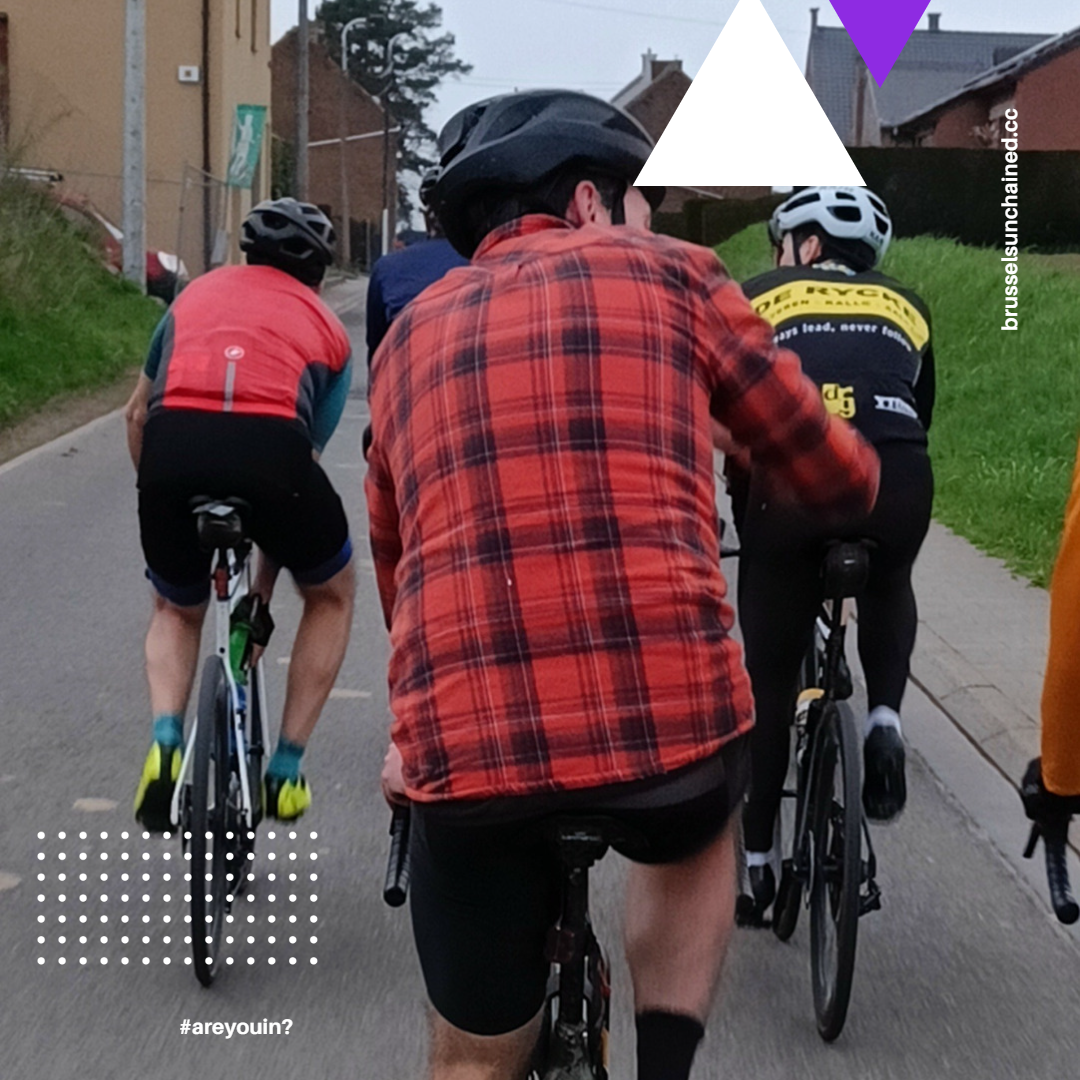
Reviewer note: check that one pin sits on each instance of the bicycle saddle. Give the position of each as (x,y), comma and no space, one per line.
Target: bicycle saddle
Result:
(219,521)
(846,568)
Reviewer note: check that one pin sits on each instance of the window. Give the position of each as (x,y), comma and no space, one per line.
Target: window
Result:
(254,25)
(239,31)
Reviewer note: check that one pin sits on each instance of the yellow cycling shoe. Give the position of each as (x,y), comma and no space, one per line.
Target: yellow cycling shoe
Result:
(153,799)
(285,800)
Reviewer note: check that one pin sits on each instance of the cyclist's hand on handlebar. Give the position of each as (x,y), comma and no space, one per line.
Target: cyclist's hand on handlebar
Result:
(1043,806)
(393,782)
(724,441)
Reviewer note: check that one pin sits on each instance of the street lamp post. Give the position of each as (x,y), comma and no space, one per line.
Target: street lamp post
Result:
(346,227)
(387,73)
(303,101)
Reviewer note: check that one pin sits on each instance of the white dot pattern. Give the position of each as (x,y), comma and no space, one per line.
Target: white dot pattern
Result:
(266,903)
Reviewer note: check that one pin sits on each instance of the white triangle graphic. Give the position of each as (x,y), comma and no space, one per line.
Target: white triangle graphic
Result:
(749,119)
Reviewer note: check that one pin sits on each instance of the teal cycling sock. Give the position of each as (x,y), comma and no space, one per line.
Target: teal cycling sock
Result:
(169,729)
(285,764)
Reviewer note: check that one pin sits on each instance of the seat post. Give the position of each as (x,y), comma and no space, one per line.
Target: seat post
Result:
(581,845)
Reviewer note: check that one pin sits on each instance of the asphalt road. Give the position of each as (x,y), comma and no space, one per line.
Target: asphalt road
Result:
(962,974)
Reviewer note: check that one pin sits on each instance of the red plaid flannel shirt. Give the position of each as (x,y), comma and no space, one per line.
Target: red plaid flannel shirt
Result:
(542,507)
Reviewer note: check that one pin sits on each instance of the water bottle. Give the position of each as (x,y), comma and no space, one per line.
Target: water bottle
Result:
(240,641)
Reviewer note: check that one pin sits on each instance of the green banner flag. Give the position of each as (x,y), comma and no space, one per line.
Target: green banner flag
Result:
(246,145)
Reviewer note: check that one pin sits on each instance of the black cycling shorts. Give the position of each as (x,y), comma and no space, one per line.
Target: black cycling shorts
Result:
(296,517)
(486,879)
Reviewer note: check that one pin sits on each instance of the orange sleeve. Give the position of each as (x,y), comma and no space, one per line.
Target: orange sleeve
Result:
(1061,690)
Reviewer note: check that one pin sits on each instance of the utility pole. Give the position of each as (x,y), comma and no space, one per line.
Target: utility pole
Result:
(134,222)
(303,99)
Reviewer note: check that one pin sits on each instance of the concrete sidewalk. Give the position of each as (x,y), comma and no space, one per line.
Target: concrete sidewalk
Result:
(981,648)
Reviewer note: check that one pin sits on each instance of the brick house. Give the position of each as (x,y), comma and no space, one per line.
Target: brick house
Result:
(652,98)
(934,64)
(1042,84)
(370,164)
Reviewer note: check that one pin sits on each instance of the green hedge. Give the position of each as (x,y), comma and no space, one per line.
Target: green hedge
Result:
(66,323)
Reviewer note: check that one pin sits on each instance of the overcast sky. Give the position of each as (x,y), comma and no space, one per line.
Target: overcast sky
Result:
(596,45)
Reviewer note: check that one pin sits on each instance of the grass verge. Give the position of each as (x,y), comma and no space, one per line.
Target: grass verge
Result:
(66,323)
(1004,437)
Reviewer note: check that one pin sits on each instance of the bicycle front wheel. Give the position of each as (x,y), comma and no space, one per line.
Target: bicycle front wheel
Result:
(209,803)
(836,827)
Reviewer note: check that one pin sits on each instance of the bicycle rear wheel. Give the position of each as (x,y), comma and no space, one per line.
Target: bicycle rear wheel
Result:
(836,826)
(208,823)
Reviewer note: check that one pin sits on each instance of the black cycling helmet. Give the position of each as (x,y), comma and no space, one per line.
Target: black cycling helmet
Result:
(427,186)
(293,236)
(513,142)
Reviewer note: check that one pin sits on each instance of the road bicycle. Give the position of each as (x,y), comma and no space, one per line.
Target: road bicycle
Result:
(217,802)
(825,869)
(573,1042)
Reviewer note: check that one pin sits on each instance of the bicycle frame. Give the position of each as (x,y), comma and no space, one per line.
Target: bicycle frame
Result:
(231,579)
(832,630)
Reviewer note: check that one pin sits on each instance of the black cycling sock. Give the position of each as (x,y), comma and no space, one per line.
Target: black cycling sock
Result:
(666,1044)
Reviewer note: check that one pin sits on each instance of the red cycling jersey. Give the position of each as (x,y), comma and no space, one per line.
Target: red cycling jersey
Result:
(251,340)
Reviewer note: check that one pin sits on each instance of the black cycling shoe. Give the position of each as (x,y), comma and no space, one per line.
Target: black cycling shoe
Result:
(750,909)
(884,786)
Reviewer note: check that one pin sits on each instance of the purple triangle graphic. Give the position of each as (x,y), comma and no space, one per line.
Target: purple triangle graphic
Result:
(880,29)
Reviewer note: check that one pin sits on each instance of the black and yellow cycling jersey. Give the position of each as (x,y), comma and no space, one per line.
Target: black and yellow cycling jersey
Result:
(862,337)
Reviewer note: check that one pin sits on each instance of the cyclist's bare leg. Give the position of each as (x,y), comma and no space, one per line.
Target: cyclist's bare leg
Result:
(457,1055)
(172,654)
(317,653)
(679,919)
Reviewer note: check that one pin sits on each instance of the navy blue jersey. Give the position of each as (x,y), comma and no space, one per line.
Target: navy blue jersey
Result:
(399,278)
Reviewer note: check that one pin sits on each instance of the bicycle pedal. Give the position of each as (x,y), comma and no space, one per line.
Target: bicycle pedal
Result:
(870,900)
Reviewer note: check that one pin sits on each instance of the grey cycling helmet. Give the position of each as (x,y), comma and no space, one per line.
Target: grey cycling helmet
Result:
(514,142)
(293,236)
(852,214)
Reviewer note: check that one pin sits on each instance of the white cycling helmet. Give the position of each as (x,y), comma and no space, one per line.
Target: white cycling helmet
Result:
(844,213)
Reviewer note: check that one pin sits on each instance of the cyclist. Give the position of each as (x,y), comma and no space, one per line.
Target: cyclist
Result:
(865,340)
(245,382)
(545,538)
(399,277)
(403,275)
(1051,786)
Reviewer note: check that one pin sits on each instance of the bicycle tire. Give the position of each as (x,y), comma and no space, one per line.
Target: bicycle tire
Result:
(209,796)
(836,829)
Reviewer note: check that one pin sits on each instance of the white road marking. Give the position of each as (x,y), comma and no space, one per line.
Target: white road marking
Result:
(349,694)
(94,806)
